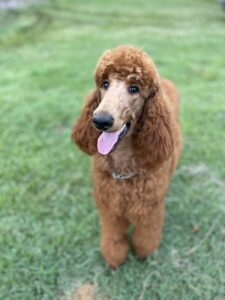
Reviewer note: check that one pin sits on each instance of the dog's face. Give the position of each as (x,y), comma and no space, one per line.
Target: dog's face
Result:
(121,103)
(124,82)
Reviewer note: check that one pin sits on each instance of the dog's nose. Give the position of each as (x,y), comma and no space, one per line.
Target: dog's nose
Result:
(102,121)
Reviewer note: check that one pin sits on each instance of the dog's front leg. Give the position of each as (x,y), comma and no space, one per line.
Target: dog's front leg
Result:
(114,244)
(147,233)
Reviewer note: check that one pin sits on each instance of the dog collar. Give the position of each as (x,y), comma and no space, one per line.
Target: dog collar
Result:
(121,176)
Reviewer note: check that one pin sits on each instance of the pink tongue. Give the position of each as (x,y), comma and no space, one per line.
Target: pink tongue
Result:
(107,140)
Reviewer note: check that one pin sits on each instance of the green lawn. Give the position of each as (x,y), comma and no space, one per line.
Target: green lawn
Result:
(49,232)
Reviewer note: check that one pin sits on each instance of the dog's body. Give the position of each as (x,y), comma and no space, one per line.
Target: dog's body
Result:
(131,179)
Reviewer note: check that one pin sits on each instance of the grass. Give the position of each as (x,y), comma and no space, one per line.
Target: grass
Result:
(48,222)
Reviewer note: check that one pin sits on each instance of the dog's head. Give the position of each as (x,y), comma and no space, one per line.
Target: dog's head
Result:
(125,77)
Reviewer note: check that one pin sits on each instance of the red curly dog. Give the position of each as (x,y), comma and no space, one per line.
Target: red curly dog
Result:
(129,124)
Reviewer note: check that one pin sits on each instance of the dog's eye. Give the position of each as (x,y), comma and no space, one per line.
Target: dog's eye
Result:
(133,89)
(105,84)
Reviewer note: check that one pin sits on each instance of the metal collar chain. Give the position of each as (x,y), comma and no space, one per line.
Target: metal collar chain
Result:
(122,176)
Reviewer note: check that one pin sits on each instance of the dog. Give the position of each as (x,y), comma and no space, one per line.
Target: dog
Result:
(130,126)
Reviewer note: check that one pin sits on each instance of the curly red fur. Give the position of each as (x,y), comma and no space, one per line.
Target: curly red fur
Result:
(83,132)
(154,135)
(151,151)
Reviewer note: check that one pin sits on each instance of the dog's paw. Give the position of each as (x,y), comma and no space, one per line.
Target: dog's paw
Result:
(114,252)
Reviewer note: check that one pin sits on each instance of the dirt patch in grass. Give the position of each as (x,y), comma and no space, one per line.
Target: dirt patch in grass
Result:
(85,292)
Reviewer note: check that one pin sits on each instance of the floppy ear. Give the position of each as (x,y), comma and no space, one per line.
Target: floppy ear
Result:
(83,133)
(154,133)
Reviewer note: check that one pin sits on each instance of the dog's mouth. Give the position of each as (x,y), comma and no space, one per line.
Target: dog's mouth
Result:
(108,141)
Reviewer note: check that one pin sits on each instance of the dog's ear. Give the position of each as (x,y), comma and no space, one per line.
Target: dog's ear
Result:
(83,132)
(154,132)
